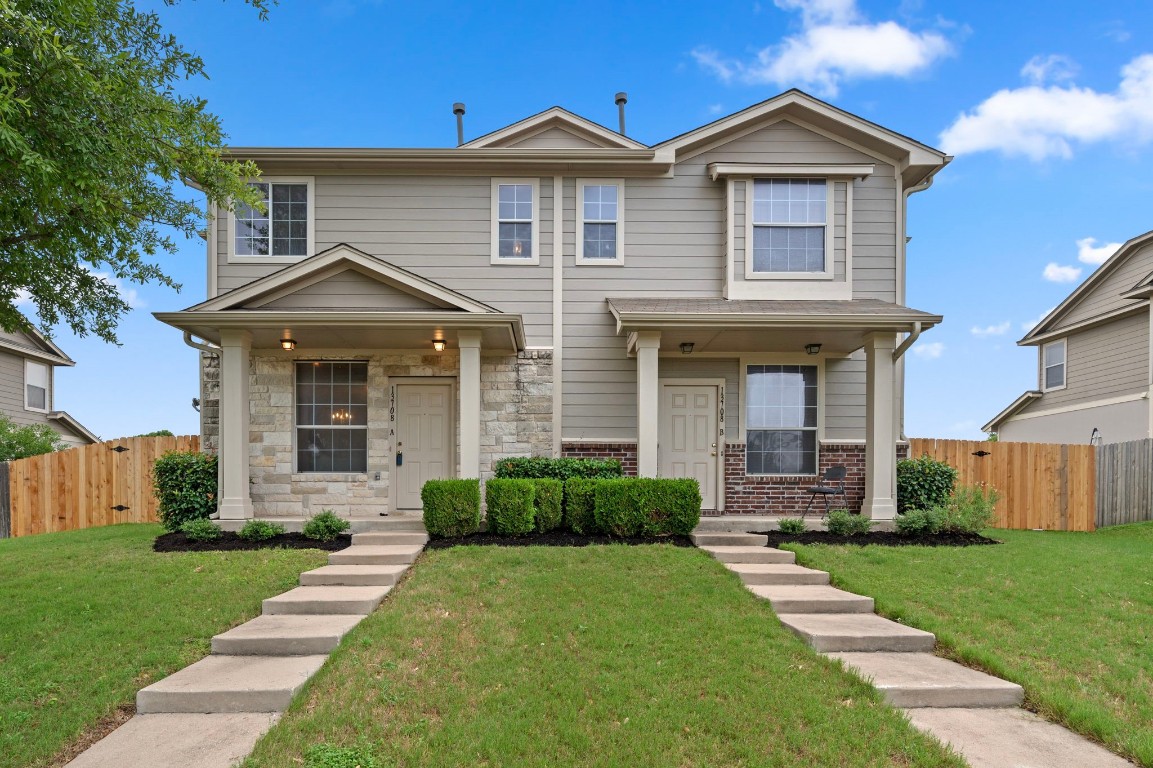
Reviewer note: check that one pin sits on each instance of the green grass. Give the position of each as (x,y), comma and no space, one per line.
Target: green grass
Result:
(599,656)
(89,617)
(1069,616)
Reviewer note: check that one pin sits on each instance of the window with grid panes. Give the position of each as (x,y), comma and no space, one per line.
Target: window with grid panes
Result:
(331,416)
(781,419)
(600,210)
(789,220)
(281,229)
(515,221)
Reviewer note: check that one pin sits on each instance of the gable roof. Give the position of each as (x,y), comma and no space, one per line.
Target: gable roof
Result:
(554,117)
(38,347)
(331,262)
(1012,409)
(1044,329)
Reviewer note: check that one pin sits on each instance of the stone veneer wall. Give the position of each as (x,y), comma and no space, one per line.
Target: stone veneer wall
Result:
(625,452)
(516,420)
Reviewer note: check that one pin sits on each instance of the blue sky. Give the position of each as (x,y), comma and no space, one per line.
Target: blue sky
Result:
(1048,107)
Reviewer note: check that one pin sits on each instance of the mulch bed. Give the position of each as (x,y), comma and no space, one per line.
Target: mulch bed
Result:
(552,539)
(879,538)
(231,542)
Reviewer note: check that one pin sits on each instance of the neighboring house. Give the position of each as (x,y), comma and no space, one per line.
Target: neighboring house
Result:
(27,385)
(726,305)
(1093,363)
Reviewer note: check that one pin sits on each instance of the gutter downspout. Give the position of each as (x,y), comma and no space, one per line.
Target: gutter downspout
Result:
(909,341)
(205,347)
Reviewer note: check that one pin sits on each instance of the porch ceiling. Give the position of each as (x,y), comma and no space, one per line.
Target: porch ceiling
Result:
(327,330)
(715,325)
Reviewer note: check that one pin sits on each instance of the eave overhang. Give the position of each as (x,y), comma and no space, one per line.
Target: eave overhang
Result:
(72,424)
(38,354)
(1013,408)
(1036,340)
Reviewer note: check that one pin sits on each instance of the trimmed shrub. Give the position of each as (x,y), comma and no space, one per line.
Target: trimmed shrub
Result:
(579,505)
(260,530)
(20,442)
(534,467)
(668,505)
(791,525)
(842,523)
(547,503)
(615,507)
(201,529)
(510,506)
(969,510)
(924,483)
(451,507)
(919,522)
(185,485)
(325,526)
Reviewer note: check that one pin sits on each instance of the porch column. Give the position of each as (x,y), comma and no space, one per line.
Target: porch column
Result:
(880,439)
(235,348)
(648,343)
(469,343)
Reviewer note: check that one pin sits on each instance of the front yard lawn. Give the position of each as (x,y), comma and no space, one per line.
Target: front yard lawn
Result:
(89,617)
(1069,616)
(594,656)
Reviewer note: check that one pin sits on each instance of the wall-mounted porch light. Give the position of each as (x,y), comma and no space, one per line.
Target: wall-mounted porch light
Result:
(687,347)
(288,343)
(438,345)
(812,349)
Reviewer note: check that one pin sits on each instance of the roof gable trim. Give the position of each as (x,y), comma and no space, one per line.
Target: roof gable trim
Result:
(554,117)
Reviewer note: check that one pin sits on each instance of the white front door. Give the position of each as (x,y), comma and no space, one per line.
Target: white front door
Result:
(424,440)
(688,438)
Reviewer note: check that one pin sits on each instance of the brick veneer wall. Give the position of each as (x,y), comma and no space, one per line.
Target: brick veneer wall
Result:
(626,452)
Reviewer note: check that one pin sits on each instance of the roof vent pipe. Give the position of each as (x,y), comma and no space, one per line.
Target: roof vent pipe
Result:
(458,110)
(622,98)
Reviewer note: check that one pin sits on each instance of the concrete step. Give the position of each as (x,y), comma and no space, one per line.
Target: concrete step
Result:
(777,573)
(285,635)
(185,740)
(353,576)
(729,539)
(791,598)
(995,738)
(389,537)
(392,554)
(867,632)
(925,680)
(223,684)
(730,554)
(326,600)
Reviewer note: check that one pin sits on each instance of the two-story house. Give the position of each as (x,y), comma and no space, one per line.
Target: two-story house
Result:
(1093,360)
(28,361)
(728,305)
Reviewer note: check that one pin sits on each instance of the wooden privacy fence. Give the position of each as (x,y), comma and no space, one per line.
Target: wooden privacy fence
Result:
(1041,485)
(99,484)
(1124,483)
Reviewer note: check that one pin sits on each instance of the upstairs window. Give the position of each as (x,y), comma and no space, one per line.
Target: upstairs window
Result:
(599,233)
(515,235)
(781,422)
(36,377)
(1053,365)
(282,230)
(790,223)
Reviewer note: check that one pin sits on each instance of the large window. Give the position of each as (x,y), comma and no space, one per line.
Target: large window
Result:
(280,229)
(514,221)
(781,419)
(599,235)
(1053,366)
(331,417)
(36,377)
(789,225)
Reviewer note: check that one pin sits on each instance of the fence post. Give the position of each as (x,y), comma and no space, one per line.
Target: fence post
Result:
(5,503)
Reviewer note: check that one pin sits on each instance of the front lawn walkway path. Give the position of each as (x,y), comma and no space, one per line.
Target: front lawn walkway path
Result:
(978,714)
(211,713)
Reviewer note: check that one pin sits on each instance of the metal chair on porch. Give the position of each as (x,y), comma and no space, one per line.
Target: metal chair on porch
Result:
(832,484)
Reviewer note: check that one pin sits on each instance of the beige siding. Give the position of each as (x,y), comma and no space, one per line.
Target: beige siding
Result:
(845,398)
(1108,361)
(349,290)
(1115,423)
(12,390)
(554,138)
(1106,295)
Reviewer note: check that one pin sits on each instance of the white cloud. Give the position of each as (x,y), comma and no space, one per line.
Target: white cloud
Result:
(1053,68)
(716,109)
(1058,273)
(930,350)
(1029,325)
(835,44)
(1090,253)
(23,298)
(1040,121)
(991,330)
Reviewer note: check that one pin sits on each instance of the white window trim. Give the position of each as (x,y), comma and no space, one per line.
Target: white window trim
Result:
(234,258)
(1064,366)
(742,415)
(619,260)
(47,391)
(830,216)
(495,201)
(297,474)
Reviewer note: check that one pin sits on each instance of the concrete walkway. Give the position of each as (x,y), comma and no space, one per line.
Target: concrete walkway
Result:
(978,714)
(210,714)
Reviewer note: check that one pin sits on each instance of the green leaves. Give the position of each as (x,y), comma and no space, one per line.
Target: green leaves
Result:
(18,442)
(185,484)
(923,483)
